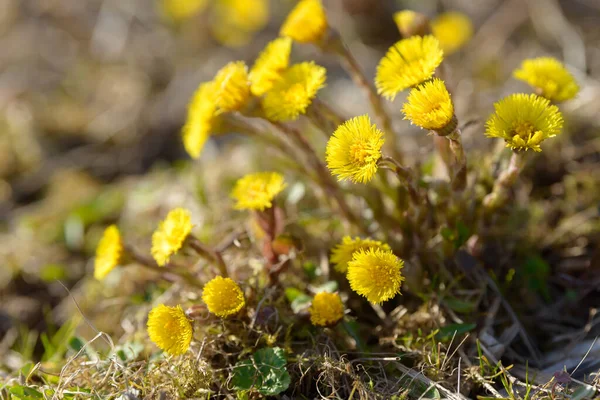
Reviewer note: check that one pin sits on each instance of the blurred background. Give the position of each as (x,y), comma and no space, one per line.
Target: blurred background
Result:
(93,94)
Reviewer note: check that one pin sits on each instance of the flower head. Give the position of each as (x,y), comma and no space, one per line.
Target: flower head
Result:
(429,105)
(257,191)
(343,252)
(170,329)
(354,149)
(375,274)
(234,22)
(326,309)
(170,235)
(306,23)
(200,119)
(408,63)
(294,92)
(550,77)
(179,10)
(108,252)
(223,297)
(410,23)
(269,66)
(524,121)
(231,85)
(453,30)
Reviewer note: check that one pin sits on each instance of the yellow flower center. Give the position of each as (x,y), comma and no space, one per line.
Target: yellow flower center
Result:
(296,93)
(358,152)
(524,130)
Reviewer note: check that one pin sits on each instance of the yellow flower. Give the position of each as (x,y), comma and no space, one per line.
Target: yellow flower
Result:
(223,297)
(234,22)
(375,274)
(257,191)
(524,121)
(453,30)
(269,66)
(343,252)
(170,329)
(353,150)
(179,10)
(410,23)
(550,77)
(326,309)
(408,63)
(108,252)
(294,92)
(306,23)
(232,88)
(429,105)
(170,235)
(200,119)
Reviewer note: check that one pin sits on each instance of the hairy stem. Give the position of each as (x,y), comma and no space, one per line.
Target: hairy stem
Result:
(505,181)
(209,254)
(405,176)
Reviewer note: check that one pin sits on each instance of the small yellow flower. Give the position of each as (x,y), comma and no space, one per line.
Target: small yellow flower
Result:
(326,309)
(353,150)
(453,30)
(179,10)
(232,87)
(549,77)
(170,329)
(375,274)
(170,235)
(257,191)
(200,119)
(408,63)
(269,66)
(524,121)
(234,22)
(306,23)
(410,23)
(223,297)
(343,252)
(429,105)
(294,92)
(108,252)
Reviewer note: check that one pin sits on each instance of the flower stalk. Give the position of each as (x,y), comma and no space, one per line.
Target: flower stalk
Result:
(405,176)
(505,181)
(208,253)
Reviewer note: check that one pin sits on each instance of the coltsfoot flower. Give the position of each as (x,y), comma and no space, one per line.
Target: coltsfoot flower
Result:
(270,65)
(306,23)
(375,274)
(170,329)
(234,22)
(353,150)
(294,92)
(108,252)
(179,10)
(549,77)
(170,235)
(232,87)
(343,252)
(408,63)
(326,309)
(453,30)
(411,23)
(200,119)
(257,191)
(429,105)
(223,297)
(524,121)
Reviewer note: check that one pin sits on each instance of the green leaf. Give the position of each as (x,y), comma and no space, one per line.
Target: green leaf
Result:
(52,272)
(583,392)
(25,393)
(329,287)
(447,332)
(265,372)
(292,293)
(459,306)
(298,299)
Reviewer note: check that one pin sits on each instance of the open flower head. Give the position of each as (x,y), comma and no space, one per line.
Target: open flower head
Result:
(429,105)
(108,252)
(234,22)
(232,87)
(170,329)
(326,309)
(411,23)
(257,191)
(200,119)
(549,77)
(375,274)
(170,235)
(269,65)
(453,30)
(294,92)
(353,150)
(343,252)
(408,63)
(306,23)
(524,121)
(223,297)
